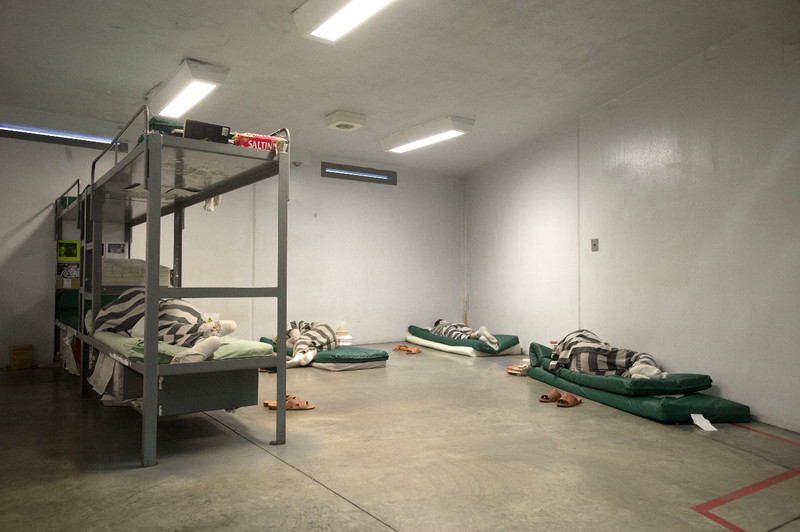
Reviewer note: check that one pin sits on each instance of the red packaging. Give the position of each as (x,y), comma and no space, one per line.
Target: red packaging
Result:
(259,142)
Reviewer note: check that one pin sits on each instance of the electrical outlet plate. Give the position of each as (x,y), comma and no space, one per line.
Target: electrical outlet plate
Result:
(595,244)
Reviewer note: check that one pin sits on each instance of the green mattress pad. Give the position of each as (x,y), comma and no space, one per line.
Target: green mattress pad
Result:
(504,341)
(675,383)
(343,354)
(667,409)
(133,348)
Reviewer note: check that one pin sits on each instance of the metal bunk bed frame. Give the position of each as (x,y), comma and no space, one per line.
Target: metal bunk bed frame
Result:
(164,175)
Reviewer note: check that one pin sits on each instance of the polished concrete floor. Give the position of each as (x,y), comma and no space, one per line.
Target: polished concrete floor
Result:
(431,442)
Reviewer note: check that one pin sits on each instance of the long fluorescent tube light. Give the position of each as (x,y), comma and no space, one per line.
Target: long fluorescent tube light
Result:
(438,130)
(54,133)
(329,20)
(55,136)
(192,82)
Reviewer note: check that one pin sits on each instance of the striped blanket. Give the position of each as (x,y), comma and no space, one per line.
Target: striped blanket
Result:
(585,352)
(456,331)
(318,336)
(179,322)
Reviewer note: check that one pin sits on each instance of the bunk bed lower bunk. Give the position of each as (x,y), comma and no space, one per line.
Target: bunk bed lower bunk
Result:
(162,176)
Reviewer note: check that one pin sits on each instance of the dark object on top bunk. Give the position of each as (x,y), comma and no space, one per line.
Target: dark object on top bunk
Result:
(672,399)
(193,129)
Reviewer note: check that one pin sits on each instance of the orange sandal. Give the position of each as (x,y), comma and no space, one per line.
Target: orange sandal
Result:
(401,347)
(413,350)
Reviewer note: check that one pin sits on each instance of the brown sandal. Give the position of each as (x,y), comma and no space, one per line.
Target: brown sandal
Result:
(568,400)
(400,347)
(550,397)
(292,403)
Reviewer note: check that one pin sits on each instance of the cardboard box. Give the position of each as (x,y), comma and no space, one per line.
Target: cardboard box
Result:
(67,284)
(20,356)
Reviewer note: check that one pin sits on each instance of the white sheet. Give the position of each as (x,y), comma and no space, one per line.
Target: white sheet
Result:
(347,366)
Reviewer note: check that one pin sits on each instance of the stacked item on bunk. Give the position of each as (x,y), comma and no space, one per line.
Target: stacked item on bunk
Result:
(672,398)
(342,358)
(506,344)
(130,272)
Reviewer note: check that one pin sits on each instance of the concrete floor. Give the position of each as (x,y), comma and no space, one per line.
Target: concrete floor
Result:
(431,442)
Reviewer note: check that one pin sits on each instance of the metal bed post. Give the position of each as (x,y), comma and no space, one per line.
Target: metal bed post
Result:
(177,248)
(283,207)
(152,288)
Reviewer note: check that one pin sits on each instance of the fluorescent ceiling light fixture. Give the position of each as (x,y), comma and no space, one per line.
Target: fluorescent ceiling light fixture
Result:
(14,128)
(438,130)
(357,173)
(329,20)
(192,82)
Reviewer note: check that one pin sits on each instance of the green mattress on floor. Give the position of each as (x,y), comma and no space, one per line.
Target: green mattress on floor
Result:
(344,354)
(504,341)
(641,396)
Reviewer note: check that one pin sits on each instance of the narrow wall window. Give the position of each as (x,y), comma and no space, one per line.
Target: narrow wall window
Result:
(357,173)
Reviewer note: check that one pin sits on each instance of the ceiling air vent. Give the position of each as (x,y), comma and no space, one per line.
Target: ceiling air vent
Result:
(345,120)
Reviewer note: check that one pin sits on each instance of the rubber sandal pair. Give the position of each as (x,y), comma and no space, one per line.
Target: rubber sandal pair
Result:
(292,403)
(408,350)
(565,400)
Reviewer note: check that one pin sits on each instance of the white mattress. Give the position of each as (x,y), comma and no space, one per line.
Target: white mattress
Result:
(461,350)
(347,366)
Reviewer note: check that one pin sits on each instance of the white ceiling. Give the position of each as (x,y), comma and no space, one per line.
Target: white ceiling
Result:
(518,68)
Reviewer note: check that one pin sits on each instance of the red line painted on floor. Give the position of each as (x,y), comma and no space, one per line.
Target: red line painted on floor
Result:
(518,358)
(705,508)
(765,434)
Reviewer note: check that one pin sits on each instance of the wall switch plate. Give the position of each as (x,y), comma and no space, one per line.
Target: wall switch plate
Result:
(595,244)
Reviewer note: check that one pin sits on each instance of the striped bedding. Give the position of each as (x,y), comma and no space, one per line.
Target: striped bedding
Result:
(584,352)
(179,322)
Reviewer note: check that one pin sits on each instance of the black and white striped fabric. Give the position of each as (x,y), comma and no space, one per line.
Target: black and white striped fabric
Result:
(179,322)
(317,337)
(585,352)
(456,331)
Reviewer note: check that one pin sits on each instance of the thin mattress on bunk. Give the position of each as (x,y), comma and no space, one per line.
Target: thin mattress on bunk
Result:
(132,348)
(507,344)
(343,357)
(673,399)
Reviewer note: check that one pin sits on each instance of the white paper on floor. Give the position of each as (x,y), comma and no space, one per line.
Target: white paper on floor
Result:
(702,422)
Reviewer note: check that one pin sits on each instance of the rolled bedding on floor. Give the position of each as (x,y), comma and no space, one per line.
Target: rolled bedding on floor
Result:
(506,344)
(672,399)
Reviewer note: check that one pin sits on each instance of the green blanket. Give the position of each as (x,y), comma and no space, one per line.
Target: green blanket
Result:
(344,354)
(504,341)
(640,396)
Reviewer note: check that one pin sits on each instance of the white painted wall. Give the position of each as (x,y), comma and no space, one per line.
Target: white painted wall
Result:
(32,174)
(522,226)
(690,182)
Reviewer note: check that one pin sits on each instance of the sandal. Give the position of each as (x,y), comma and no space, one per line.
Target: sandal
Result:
(568,400)
(274,404)
(413,350)
(401,347)
(550,397)
(293,403)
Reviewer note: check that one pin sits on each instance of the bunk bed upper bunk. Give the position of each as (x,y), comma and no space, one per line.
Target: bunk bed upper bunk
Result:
(163,175)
